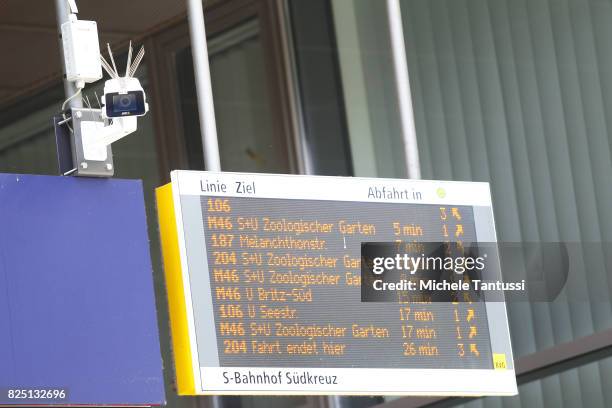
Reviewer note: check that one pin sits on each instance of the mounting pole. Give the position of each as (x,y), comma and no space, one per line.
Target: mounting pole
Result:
(63,10)
(206,107)
(201,69)
(400,65)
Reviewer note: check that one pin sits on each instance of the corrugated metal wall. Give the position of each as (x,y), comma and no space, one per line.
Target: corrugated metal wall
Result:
(519,93)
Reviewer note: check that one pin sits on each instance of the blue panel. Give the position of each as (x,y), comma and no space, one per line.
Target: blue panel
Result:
(77,307)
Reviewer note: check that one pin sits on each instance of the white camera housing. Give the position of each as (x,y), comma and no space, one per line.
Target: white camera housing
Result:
(124,100)
(124,97)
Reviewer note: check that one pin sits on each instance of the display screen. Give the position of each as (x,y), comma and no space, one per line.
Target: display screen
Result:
(125,104)
(273,265)
(296,267)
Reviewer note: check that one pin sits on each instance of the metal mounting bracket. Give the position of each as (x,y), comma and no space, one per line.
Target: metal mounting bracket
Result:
(72,158)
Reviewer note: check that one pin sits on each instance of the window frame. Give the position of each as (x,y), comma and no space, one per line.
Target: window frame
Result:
(221,16)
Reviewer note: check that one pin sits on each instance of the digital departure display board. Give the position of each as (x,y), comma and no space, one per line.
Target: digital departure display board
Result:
(264,283)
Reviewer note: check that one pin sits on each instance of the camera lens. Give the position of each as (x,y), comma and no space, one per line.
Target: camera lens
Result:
(125,101)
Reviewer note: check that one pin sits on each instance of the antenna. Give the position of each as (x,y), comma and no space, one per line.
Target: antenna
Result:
(110,53)
(137,60)
(88,103)
(98,99)
(73,6)
(107,67)
(129,60)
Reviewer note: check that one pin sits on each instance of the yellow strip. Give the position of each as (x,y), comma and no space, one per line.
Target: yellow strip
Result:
(174,287)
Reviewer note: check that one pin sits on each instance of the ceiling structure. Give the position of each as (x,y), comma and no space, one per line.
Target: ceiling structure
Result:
(29,44)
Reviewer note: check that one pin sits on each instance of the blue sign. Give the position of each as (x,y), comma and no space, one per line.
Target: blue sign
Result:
(77,308)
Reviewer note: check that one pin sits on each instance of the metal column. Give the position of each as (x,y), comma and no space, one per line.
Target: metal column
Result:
(206,108)
(400,65)
(62,11)
(201,69)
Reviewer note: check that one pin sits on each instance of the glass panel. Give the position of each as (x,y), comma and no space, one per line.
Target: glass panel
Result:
(514,93)
(28,145)
(320,88)
(366,67)
(242,103)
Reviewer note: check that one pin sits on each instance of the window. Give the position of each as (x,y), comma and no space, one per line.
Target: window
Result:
(516,94)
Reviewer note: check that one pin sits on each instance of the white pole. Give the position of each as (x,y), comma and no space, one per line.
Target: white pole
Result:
(400,65)
(206,109)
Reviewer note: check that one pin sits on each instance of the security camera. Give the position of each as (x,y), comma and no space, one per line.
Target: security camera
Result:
(92,131)
(123,101)
(124,97)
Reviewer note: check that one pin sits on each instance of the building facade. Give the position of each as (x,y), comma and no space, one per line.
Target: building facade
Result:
(517,93)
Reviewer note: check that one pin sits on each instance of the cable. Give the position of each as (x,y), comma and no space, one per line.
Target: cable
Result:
(80,85)
(77,93)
